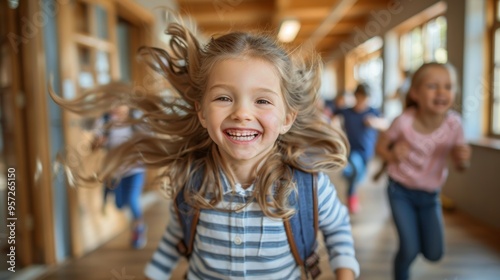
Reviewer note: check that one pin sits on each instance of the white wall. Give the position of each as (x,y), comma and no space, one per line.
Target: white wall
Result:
(477,191)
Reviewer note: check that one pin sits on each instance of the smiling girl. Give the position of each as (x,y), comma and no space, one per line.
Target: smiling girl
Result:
(242,122)
(422,138)
(253,118)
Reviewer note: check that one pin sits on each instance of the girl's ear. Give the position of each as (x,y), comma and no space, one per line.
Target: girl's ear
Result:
(413,94)
(200,113)
(289,120)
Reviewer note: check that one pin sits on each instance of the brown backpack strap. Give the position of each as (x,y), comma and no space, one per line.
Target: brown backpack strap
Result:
(291,242)
(185,248)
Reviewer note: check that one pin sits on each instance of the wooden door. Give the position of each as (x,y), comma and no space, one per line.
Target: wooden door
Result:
(17,241)
(90,56)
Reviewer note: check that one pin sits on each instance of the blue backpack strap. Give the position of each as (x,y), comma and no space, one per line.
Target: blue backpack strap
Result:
(188,217)
(302,228)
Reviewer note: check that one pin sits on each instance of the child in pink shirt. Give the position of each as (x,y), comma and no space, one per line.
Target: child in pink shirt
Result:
(425,166)
(422,138)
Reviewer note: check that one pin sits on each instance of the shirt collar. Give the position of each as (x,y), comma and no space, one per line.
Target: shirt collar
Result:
(238,188)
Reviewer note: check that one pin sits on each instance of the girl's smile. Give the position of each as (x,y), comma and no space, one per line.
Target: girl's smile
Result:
(239,135)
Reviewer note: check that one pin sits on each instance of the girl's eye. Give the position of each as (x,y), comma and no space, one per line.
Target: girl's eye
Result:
(263,101)
(223,98)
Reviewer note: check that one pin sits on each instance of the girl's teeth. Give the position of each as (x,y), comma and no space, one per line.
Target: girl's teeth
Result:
(230,133)
(241,136)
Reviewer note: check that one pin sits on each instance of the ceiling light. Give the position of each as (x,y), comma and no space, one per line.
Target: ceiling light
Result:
(288,30)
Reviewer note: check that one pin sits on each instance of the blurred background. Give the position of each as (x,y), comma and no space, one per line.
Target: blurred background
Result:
(78,44)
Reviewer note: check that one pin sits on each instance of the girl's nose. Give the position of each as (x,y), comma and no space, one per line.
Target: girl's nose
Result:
(441,90)
(241,112)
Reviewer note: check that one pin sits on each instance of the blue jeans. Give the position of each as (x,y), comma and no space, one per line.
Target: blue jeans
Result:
(419,223)
(128,192)
(354,172)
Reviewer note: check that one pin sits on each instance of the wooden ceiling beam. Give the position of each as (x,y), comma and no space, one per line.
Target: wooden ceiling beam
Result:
(325,24)
(221,8)
(328,43)
(338,11)
(233,17)
(211,30)
(320,13)
(239,23)
(327,37)
(185,2)
(220,2)
(364,9)
(306,4)
(340,27)
(280,6)
(305,14)
(371,5)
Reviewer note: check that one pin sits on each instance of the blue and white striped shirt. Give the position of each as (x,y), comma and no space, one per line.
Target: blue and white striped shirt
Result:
(245,244)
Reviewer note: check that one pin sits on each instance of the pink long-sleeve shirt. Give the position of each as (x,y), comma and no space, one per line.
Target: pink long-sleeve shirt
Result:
(425,168)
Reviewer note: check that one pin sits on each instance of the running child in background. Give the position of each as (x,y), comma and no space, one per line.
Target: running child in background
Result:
(110,132)
(361,124)
(416,147)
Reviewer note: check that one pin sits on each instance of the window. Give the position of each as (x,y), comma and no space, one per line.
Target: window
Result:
(370,72)
(95,48)
(368,68)
(424,43)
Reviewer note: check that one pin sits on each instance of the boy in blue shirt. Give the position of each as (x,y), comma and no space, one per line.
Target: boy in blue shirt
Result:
(361,123)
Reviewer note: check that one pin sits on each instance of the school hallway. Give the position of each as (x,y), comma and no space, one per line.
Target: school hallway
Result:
(59,228)
(472,249)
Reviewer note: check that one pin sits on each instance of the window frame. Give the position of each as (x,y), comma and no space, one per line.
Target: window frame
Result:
(405,65)
(494,26)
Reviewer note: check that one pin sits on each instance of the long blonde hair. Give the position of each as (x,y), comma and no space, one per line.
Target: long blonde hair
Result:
(181,145)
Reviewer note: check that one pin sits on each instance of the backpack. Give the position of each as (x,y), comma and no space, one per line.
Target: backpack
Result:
(301,228)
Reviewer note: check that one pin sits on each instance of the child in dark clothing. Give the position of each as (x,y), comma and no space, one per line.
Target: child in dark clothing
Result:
(361,123)
(127,185)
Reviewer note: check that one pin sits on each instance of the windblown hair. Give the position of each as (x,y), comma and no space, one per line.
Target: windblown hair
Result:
(421,72)
(179,143)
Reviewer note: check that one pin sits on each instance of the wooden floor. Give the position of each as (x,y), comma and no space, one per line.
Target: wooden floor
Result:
(472,250)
